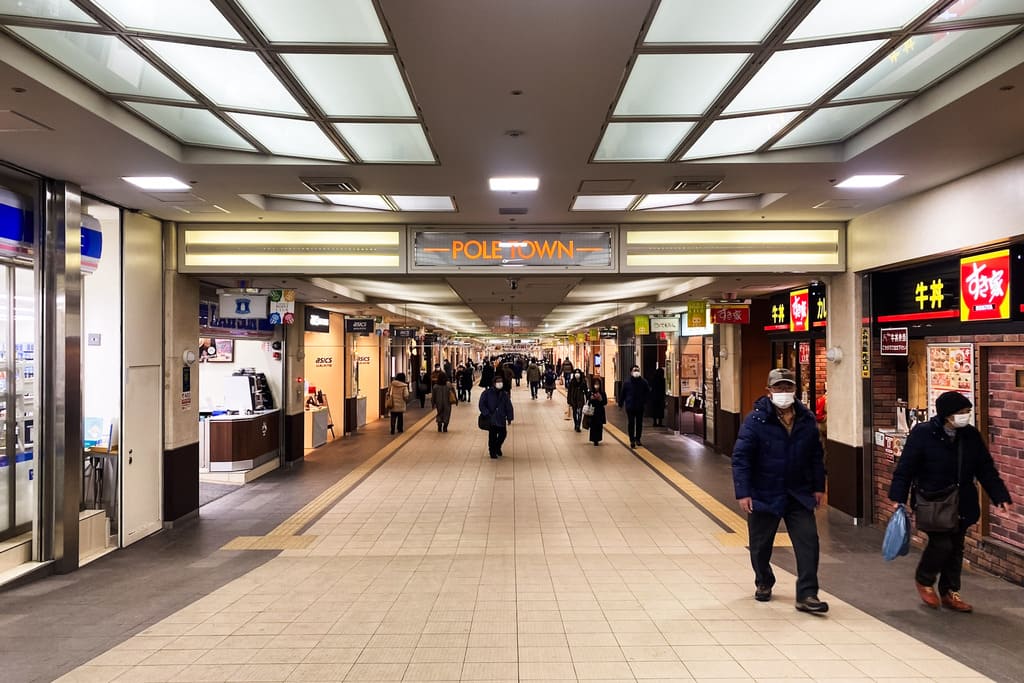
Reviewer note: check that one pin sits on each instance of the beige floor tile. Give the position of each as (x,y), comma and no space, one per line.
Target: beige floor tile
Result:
(597,653)
(320,672)
(660,670)
(376,672)
(546,671)
(492,654)
(589,671)
(490,671)
(150,674)
(724,668)
(93,674)
(262,672)
(433,671)
(206,672)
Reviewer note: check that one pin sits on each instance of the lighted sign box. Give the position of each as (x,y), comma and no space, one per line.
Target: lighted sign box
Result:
(536,250)
(798,311)
(985,286)
(317,320)
(359,325)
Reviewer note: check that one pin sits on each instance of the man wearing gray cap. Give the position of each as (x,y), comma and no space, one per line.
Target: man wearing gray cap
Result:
(778,472)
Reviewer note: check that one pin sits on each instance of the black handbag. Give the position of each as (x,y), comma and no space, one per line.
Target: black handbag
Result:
(484,422)
(939,511)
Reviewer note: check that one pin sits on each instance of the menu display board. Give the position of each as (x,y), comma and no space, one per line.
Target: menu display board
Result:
(690,366)
(950,368)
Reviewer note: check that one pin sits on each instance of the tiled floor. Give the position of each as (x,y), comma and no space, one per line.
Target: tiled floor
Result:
(561,561)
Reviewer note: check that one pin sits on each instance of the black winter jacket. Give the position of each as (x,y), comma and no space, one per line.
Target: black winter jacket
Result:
(769,464)
(929,463)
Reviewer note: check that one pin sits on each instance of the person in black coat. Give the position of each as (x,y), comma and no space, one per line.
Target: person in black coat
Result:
(778,472)
(658,397)
(598,400)
(496,407)
(487,375)
(635,392)
(929,463)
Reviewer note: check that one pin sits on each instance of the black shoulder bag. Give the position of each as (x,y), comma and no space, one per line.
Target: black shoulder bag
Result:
(939,511)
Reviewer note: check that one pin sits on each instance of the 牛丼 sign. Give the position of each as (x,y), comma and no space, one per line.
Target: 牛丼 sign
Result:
(895,341)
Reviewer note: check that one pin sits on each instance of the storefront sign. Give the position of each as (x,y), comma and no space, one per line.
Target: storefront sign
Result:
(642,325)
(581,337)
(865,352)
(800,310)
(362,360)
(924,293)
(282,306)
(244,306)
(609,333)
(730,315)
(317,320)
(819,305)
(804,353)
(361,326)
(403,332)
(779,314)
(668,325)
(589,249)
(696,313)
(895,341)
(324,361)
(985,287)
(593,335)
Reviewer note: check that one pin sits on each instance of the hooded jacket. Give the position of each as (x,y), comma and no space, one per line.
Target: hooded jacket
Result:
(399,395)
(770,464)
(929,460)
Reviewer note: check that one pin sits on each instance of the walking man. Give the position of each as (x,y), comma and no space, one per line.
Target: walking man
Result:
(635,392)
(533,379)
(496,406)
(778,471)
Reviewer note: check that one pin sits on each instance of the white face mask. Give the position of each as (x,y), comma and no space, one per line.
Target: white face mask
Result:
(783,400)
(960,421)
(636,374)
(499,385)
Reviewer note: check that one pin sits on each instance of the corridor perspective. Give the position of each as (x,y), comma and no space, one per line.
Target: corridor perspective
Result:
(559,561)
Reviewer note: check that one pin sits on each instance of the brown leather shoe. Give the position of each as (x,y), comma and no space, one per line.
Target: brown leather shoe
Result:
(928,595)
(951,600)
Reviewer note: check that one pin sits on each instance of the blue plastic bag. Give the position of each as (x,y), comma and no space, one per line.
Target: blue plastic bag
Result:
(897,535)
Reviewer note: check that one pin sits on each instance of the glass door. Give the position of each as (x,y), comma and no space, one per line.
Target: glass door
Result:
(17,400)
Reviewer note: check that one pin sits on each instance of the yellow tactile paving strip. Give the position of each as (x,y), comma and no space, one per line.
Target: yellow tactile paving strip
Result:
(285,535)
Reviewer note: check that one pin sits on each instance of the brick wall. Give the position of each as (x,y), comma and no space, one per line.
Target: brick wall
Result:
(1001,550)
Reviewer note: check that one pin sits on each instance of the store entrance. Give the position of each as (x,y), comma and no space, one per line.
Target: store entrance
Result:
(17,400)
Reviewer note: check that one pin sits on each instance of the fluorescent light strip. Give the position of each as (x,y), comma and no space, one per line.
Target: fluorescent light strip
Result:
(773,259)
(514,184)
(287,238)
(698,237)
(868,181)
(292,261)
(157,183)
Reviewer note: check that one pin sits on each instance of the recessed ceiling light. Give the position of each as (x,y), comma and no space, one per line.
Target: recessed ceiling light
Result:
(163,183)
(514,184)
(861,181)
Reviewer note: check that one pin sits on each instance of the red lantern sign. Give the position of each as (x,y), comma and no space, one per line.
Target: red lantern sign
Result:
(985,287)
(800,310)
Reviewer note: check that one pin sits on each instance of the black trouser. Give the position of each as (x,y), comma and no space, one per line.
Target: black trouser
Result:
(517,380)
(577,417)
(596,431)
(803,531)
(495,437)
(635,424)
(943,558)
(397,420)
(534,389)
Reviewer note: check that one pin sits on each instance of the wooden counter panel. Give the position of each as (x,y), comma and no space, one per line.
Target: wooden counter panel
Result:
(237,440)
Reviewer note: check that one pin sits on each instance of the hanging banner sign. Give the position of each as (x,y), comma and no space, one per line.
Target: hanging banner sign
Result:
(244,306)
(282,306)
(985,287)
(800,310)
(586,249)
(696,313)
(609,333)
(667,324)
(317,320)
(895,341)
(642,325)
(403,332)
(594,335)
(730,315)
(359,325)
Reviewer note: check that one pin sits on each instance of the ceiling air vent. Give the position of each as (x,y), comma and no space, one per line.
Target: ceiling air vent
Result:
(512,211)
(331,185)
(695,184)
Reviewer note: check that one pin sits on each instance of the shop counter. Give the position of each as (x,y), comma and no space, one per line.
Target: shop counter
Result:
(315,431)
(241,442)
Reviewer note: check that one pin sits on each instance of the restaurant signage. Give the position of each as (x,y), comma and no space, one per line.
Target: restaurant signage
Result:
(584,249)
(609,333)
(641,325)
(925,293)
(985,287)
(865,352)
(895,341)
(361,326)
(730,314)
(667,324)
(800,310)
(696,313)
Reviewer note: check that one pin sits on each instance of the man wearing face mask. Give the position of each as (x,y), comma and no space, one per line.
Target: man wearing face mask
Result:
(929,462)
(778,472)
(635,392)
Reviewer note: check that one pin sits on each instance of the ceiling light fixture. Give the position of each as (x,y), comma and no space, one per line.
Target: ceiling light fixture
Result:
(868,181)
(162,183)
(514,184)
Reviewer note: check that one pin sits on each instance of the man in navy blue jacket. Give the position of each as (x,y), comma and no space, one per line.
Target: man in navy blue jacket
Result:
(635,392)
(778,471)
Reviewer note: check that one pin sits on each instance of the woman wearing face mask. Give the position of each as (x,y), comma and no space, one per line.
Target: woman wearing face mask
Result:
(598,399)
(576,397)
(929,463)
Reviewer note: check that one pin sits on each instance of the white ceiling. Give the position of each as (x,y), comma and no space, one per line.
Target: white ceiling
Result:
(557,75)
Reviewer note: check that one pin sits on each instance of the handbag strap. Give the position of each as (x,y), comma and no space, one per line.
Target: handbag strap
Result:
(959,457)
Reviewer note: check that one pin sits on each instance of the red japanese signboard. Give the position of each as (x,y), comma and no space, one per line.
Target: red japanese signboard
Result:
(985,287)
(895,341)
(735,315)
(799,310)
